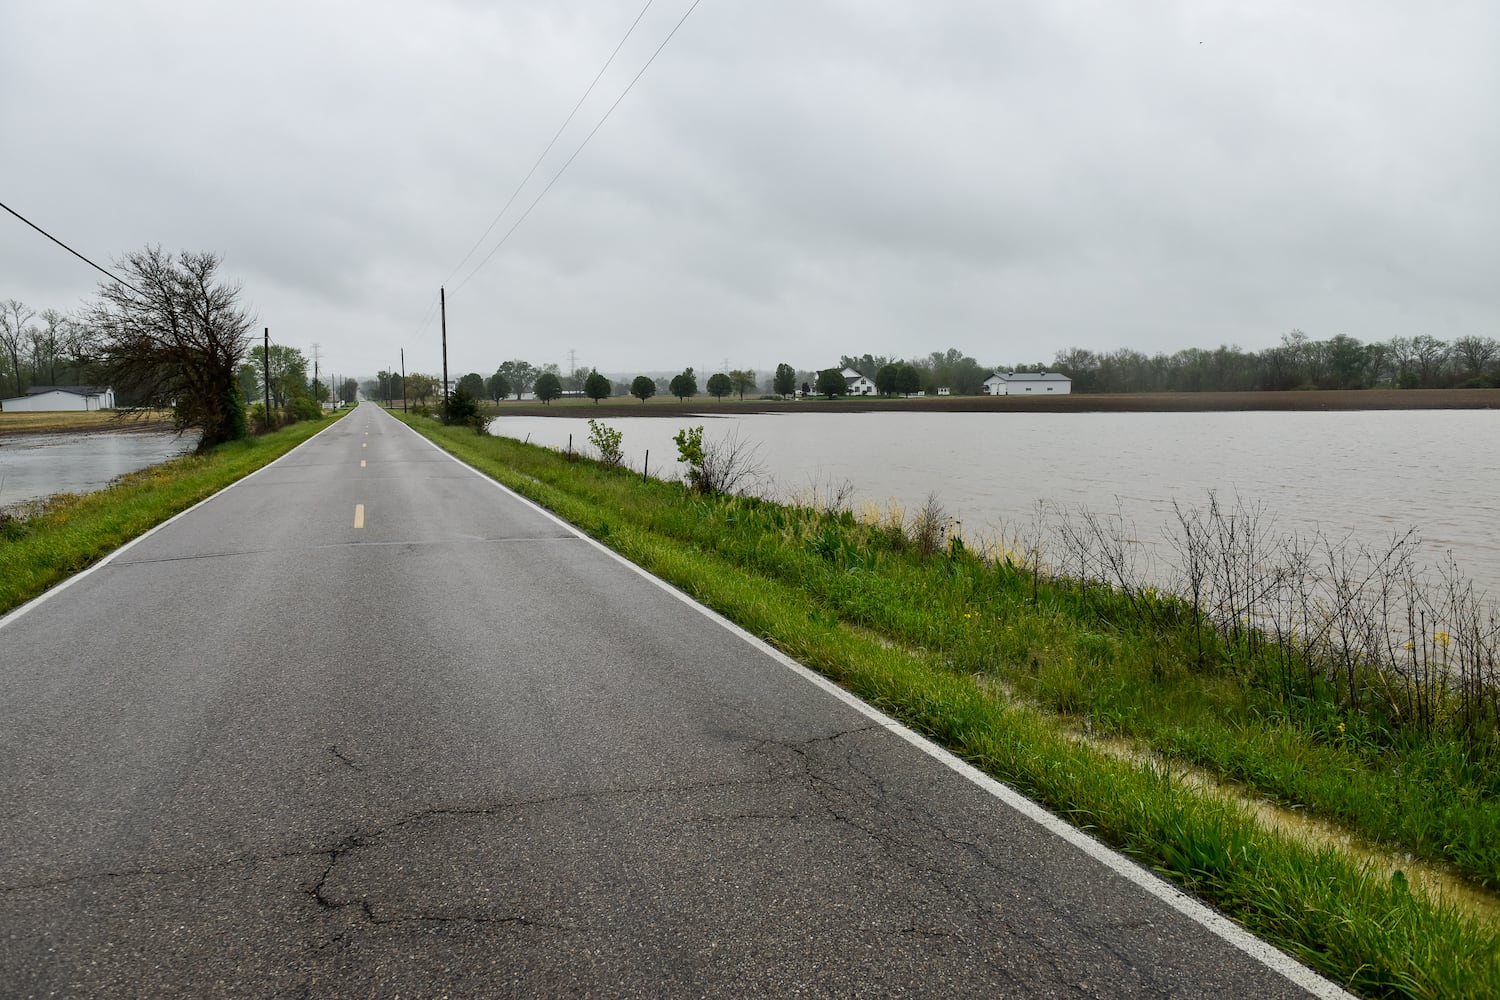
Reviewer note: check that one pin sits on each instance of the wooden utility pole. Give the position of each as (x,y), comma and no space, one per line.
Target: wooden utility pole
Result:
(403,380)
(443,308)
(265,361)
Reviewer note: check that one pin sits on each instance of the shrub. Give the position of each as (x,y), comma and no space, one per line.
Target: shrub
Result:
(607,439)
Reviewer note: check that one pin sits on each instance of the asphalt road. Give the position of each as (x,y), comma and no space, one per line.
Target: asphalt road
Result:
(366,725)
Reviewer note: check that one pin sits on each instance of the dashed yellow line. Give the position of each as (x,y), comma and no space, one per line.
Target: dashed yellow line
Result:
(359,516)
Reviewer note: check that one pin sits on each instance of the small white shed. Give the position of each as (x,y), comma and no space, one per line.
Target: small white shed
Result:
(1024,383)
(49,398)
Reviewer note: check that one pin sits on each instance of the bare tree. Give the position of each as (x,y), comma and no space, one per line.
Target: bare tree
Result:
(14,316)
(47,345)
(1474,354)
(175,336)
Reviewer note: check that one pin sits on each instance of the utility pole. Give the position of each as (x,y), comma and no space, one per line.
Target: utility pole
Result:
(315,374)
(403,380)
(265,359)
(443,305)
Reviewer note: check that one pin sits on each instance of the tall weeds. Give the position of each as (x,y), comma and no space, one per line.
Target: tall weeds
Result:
(1364,625)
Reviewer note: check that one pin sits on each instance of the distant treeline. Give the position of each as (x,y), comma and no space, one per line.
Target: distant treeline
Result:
(1298,362)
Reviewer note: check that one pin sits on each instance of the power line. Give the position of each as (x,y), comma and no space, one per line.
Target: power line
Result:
(432,307)
(517,224)
(555,136)
(70,250)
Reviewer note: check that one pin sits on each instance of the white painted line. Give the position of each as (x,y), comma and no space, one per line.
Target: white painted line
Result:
(359,516)
(361,463)
(47,595)
(1202,914)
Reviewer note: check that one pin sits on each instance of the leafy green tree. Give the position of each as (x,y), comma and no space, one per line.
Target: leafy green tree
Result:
(908,379)
(349,390)
(597,387)
(885,380)
(497,387)
(421,387)
(249,380)
(744,380)
(685,384)
(719,385)
(831,383)
(288,372)
(643,388)
(785,380)
(520,374)
(473,384)
(548,386)
(865,362)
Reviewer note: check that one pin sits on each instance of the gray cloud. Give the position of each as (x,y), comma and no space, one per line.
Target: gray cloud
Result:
(787,183)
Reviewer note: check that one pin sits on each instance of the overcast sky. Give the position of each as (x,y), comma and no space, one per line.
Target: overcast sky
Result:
(791,180)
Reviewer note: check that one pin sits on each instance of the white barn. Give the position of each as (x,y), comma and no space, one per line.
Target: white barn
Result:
(1027,383)
(857,384)
(47,398)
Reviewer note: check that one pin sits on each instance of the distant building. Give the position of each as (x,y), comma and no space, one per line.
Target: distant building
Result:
(857,384)
(1027,383)
(48,398)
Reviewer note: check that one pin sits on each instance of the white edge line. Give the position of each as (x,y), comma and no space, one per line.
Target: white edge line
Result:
(110,557)
(1199,912)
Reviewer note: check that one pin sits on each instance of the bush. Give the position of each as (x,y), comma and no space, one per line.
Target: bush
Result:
(462,410)
(259,422)
(607,439)
(719,467)
(303,408)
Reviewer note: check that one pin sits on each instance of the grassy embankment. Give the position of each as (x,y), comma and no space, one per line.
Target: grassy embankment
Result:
(67,533)
(1003,667)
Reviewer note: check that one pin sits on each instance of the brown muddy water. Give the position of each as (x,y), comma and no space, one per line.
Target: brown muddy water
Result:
(1360,474)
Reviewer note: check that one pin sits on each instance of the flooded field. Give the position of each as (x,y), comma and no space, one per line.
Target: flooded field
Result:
(1364,474)
(33,466)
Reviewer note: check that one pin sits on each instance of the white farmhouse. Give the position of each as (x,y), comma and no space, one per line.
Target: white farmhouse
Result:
(1027,383)
(46,398)
(857,384)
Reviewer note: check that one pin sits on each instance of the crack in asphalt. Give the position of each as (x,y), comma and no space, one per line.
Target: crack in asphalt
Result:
(813,770)
(834,798)
(344,759)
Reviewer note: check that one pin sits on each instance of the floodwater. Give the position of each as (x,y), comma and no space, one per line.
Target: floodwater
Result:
(1365,474)
(33,466)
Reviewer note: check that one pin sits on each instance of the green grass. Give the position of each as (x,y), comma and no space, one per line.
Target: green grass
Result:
(925,639)
(70,532)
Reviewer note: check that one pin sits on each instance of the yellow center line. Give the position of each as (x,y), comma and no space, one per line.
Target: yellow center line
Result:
(359,516)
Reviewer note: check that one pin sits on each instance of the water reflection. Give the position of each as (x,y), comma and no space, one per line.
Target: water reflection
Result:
(33,466)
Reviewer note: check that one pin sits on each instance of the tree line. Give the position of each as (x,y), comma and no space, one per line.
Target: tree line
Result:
(1297,362)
